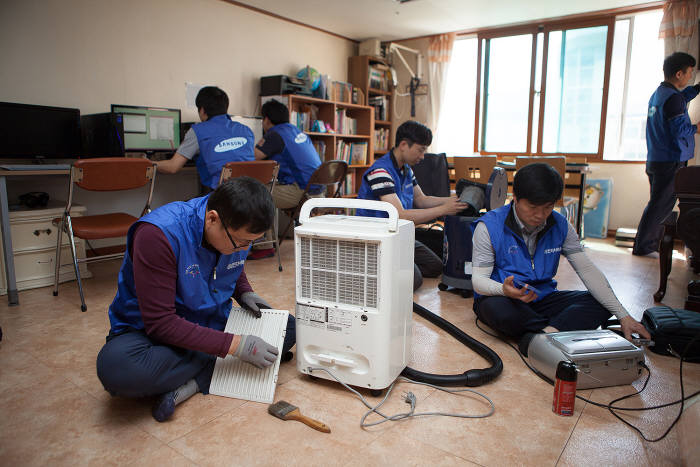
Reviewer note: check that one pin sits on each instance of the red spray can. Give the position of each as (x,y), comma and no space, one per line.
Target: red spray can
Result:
(565,389)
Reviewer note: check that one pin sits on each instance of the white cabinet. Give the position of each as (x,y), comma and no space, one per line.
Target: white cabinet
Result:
(34,248)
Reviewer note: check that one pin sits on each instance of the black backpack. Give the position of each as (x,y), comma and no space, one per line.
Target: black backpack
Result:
(672,329)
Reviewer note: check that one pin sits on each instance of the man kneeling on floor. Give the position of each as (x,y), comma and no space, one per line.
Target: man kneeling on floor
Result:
(521,243)
(184,263)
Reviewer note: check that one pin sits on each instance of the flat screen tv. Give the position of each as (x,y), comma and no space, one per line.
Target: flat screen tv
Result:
(38,131)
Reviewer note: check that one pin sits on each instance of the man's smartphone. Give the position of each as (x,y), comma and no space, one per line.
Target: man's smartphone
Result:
(521,284)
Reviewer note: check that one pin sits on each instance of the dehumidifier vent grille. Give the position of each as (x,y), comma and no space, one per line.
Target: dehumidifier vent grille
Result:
(339,271)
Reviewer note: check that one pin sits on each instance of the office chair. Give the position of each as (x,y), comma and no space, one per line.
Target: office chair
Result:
(266,173)
(101,174)
(327,174)
(432,174)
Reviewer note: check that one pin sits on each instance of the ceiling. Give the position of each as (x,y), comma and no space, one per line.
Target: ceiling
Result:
(401,19)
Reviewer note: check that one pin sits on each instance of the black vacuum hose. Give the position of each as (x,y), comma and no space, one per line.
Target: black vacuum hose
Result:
(473,377)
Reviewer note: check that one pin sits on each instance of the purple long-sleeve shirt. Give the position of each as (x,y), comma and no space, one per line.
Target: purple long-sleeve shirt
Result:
(155,279)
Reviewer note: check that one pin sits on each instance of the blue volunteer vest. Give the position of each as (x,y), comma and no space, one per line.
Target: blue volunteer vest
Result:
(512,257)
(403,185)
(221,140)
(299,158)
(199,297)
(662,145)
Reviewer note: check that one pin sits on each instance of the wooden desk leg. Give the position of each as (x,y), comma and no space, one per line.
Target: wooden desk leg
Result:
(665,258)
(579,213)
(12,295)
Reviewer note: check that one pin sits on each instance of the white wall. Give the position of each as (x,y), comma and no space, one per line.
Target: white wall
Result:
(92,53)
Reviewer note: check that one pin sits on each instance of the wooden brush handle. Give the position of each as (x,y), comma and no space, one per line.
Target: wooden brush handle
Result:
(315,424)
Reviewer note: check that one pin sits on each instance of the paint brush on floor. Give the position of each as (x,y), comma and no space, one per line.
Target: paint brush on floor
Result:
(286,411)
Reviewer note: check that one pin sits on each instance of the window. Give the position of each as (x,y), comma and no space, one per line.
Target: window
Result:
(574,90)
(505,95)
(561,87)
(457,112)
(636,72)
(556,83)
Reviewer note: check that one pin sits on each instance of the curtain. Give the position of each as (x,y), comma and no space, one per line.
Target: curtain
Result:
(439,54)
(679,27)
(679,30)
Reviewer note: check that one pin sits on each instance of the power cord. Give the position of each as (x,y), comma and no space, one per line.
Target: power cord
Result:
(410,399)
(610,406)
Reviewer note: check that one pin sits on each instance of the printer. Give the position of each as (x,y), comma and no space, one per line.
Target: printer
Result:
(283,84)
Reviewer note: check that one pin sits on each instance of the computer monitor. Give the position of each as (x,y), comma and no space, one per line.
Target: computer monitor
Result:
(149,128)
(38,131)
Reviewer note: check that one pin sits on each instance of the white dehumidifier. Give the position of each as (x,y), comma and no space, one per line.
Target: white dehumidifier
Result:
(354,293)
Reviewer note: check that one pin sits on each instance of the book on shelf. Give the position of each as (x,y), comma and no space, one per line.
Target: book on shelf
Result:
(381,107)
(379,77)
(345,125)
(349,185)
(341,91)
(381,139)
(352,153)
(320,147)
(304,117)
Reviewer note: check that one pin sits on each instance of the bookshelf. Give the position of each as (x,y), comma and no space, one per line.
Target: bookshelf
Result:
(351,139)
(373,76)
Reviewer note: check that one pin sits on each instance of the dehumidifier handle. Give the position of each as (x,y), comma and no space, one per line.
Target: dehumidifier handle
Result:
(314,203)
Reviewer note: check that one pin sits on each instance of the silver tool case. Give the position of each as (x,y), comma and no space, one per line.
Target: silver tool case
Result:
(602,357)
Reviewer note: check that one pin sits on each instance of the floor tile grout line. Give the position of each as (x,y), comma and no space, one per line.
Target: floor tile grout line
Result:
(572,432)
(207,422)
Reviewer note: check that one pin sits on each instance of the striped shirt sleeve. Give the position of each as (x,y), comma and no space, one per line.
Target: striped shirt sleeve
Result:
(380,182)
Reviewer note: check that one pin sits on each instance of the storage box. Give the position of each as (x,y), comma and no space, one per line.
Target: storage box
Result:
(625,237)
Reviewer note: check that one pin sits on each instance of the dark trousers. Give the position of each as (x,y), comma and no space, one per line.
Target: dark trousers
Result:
(426,263)
(570,310)
(661,201)
(131,364)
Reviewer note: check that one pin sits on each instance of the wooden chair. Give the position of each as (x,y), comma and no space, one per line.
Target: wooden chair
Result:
(330,174)
(686,226)
(102,174)
(474,168)
(266,173)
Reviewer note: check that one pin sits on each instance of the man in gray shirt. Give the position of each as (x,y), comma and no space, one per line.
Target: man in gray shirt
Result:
(516,251)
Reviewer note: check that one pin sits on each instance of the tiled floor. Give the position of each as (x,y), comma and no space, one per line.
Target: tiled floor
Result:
(53,410)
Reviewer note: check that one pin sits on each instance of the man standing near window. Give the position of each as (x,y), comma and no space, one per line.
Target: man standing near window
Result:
(670,144)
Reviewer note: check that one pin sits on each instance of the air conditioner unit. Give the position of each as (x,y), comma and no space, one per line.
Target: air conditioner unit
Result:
(354,293)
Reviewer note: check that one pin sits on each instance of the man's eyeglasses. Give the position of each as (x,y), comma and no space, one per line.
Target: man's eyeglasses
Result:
(235,247)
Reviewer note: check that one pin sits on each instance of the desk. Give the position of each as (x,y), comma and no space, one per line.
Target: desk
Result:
(12,295)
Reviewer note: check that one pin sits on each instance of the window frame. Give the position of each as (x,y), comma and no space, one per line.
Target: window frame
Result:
(546,27)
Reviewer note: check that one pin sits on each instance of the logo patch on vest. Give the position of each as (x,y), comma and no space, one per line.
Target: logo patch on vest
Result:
(231,144)
(192,269)
(300,138)
(652,111)
(513,250)
(235,264)
(549,251)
